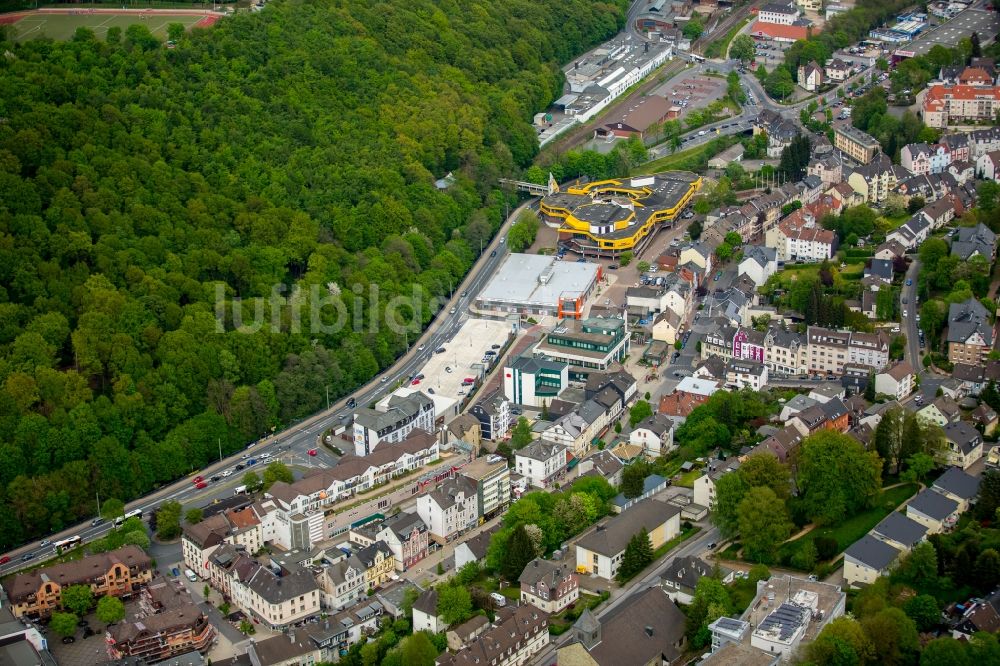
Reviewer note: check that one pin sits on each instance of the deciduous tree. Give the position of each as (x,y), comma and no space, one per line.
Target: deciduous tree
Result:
(764,524)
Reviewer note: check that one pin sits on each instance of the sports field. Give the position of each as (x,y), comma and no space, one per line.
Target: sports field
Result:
(61,26)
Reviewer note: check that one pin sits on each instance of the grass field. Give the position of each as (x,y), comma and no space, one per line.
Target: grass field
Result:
(62,26)
(689,160)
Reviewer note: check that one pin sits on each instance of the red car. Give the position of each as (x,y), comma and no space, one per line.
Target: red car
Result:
(5,559)
(198,479)
(469,380)
(312,452)
(414,382)
(200,485)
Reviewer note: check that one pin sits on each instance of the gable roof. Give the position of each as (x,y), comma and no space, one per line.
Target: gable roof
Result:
(963,435)
(959,483)
(967,318)
(644,629)
(658,424)
(612,537)
(872,552)
(933,504)
(901,529)
(687,571)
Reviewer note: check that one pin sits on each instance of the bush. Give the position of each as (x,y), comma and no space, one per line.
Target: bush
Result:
(826,547)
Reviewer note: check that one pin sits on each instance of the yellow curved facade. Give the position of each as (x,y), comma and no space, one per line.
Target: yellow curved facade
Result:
(616,238)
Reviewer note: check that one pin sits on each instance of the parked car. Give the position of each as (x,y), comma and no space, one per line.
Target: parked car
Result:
(469,380)
(312,452)
(439,350)
(68,639)
(415,382)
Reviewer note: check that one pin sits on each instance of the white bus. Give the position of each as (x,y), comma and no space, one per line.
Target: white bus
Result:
(65,544)
(136,513)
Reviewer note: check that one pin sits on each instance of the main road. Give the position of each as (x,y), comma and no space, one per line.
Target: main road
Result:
(303,436)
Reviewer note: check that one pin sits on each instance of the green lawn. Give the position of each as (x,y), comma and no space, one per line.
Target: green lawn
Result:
(564,619)
(718,48)
(687,479)
(62,26)
(692,159)
(855,527)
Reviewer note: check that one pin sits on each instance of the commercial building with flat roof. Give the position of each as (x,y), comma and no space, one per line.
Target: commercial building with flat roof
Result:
(611,216)
(586,345)
(534,284)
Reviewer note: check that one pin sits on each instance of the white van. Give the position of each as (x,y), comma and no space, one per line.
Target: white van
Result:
(191,576)
(498,599)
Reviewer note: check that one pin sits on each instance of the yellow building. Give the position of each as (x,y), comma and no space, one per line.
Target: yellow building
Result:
(601,550)
(612,216)
(379,563)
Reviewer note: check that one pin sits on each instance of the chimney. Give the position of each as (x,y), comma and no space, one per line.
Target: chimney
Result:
(649,631)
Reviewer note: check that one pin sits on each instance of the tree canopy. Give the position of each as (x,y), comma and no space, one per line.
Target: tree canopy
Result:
(286,155)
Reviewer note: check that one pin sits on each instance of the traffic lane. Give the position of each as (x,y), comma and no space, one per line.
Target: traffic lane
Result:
(910,322)
(324,418)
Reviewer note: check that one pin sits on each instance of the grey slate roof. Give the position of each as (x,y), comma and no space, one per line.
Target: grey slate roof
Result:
(658,424)
(687,571)
(276,590)
(933,504)
(542,450)
(871,552)
(966,318)
(963,435)
(612,537)
(900,529)
(958,483)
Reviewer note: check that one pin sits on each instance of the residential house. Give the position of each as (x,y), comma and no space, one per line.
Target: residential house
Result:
(970,336)
(746,374)
(985,417)
(941,411)
(867,559)
(492,477)
(494,416)
(974,241)
(758,262)
(667,327)
(426,616)
(881,269)
(655,434)
(400,417)
(450,509)
(704,485)
(681,577)
(119,573)
(603,464)
(783,442)
(899,531)
(780,131)
(965,444)
(934,510)
(801,238)
(647,628)
(467,632)
(473,549)
(828,168)
(171,625)
(378,563)
(810,76)
(897,381)
(988,165)
(971,377)
(679,405)
(874,179)
(958,485)
(406,534)
(911,233)
(343,583)
(580,429)
(549,586)
(920,159)
(517,636)
(600,551)
(890,250)
(542,462)
(839,70)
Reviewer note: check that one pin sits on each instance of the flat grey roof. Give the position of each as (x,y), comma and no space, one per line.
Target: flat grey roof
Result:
(517,280)
(950,33)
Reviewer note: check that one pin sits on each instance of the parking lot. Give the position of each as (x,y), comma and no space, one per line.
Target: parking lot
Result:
(444,373)
(770,52)
(692,92)
(950,33)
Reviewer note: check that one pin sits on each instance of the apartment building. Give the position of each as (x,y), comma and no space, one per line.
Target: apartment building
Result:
(549,586)
(162,636)
(921,159)
(494,416)
(970,336)
(120,573)
(401,416)
(830,350)
(778,13)
(857,144)
(450,509)
(378,562)
(343,582)
(946,105)
(492,477)
(801,238)
(518,635)
(541,462)
(406,534)
(534,381)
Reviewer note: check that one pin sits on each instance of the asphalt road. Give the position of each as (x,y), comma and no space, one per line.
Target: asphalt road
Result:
(293,443)
(909,322)
(696,546)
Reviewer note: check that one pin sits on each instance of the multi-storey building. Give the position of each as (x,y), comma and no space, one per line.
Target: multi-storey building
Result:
(951,105)
(923,159)
(586,345)
(970,336)
(550,586)
(343,582)
(855,143)
(403,414)
(778,13)
(801,238)
(379,563)
(120,573)
(406,534)
(519,634)
(162,636)
(534,381)
(541,462)
(829,350)
(493,414)
(450,509)
(492,477)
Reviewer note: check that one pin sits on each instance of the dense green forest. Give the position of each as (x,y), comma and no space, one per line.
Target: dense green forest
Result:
(296,146)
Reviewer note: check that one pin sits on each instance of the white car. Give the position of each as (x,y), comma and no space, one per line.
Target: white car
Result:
(228,472)
(266,454)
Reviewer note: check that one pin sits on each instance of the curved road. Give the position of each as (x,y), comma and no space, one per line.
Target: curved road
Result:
(302,436)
